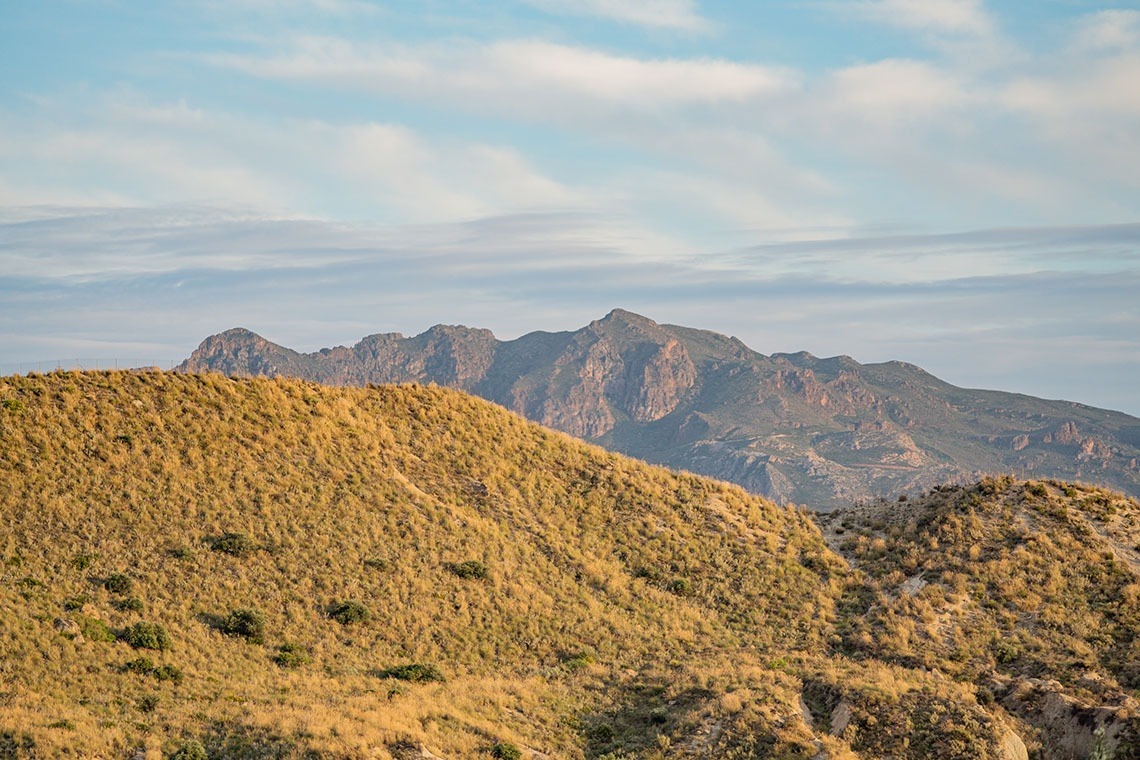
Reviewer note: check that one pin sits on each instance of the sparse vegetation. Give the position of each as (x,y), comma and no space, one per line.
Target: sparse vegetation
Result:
(234,544)
(414,672)
(472,570)
(582,641)
(245,623)
(118,583)
(144,635)
(291,655)
(349,612)
(506,751)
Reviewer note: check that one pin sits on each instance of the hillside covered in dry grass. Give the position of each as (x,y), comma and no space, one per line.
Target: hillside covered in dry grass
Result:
(194,566)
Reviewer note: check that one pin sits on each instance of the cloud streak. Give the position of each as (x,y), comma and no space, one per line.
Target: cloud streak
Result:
(681,15)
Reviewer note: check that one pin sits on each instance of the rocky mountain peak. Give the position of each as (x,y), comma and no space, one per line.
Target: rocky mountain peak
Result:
(791,426)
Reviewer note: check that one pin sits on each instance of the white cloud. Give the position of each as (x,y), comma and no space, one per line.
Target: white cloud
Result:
(893,91)
(528,76)
(955,17)
(128,151)
(1112,30)
(664,14)
(1107,86)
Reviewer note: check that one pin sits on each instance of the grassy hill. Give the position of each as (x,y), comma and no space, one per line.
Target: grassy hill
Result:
(198,566)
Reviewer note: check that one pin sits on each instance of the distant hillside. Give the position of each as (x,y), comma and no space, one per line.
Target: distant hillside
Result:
(195,567)
(792,427)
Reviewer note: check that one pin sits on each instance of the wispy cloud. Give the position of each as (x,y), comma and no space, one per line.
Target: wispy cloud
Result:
(656,14)
(1111,30)
(968,17)
(530,76)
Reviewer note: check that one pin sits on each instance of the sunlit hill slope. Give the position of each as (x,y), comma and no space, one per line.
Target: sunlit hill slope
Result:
(195,566)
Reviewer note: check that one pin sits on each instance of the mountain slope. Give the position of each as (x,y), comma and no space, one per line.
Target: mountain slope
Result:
(1028,589)
(792,427)
(261,568)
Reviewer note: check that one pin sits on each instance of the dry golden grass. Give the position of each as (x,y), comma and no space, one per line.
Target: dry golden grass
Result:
(626,611)
(370,495)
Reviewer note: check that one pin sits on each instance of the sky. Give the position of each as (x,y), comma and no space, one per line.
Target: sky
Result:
(951,183)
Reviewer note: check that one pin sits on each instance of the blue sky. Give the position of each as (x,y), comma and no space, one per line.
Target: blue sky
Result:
(953,183)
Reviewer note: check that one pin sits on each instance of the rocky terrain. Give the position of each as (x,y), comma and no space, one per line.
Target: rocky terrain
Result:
(792,427)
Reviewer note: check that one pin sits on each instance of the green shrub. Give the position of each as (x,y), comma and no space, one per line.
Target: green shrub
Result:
(415,672)
(679,586)
(130,604)
(579,660)
(191,750)
(234,544)
(143,635)
(168,672)
(147,703)
(182,552)
(141,665)
(73,603)
(291,656)
(246,623)
(506,751)
(94,629)
(144,666)
(118,583)
(349,612)
(83,561)
(377,563)
(472,569)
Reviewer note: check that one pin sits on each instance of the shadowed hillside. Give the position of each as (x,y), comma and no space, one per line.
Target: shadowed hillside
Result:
(792,427)
(195,566)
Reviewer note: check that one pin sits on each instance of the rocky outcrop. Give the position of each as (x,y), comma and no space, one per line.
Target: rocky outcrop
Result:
(1072,728)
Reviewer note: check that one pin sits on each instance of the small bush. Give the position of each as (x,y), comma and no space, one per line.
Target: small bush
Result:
(94,629)
(377,563)
(234,544)
(143,635)
(130,604)
(168,672)
(415,672)
(142,665)
(291,656)
(191,750)
(147,703)
(118,583)
(182,552)
(83,561)
(349,612)
(73,603)
(246,623)
(680,586)
(506,751)
(579,660)
(472,569)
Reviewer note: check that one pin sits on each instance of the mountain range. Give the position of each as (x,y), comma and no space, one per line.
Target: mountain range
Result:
(791,427)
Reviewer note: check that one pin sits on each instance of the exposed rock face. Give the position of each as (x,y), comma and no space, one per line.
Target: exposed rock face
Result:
(792,427)
(655,388)
(1071,727)
(1012,747)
